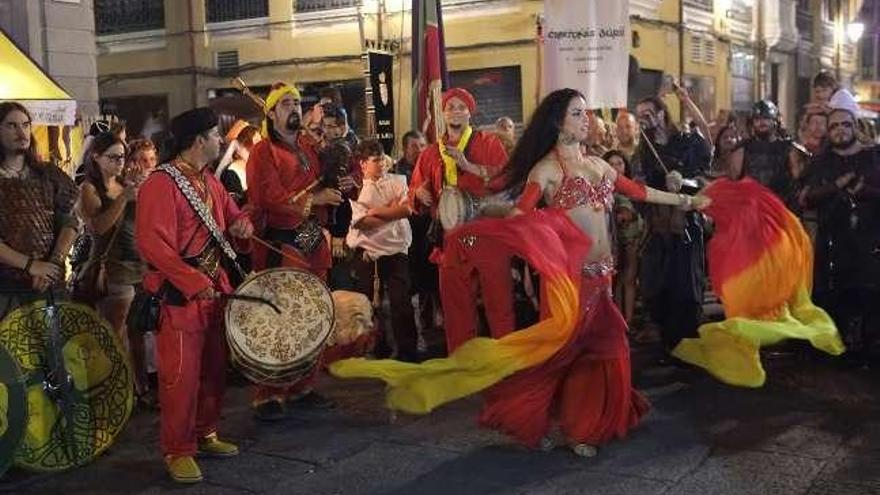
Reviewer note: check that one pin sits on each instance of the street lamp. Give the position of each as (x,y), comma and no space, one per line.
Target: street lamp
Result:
(854,31)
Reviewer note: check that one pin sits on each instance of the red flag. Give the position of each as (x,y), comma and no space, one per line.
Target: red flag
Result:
(429,68)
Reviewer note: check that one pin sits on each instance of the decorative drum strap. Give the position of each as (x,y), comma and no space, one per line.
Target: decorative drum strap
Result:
(200,208)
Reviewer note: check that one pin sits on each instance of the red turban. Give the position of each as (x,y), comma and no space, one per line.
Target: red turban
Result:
(463,95)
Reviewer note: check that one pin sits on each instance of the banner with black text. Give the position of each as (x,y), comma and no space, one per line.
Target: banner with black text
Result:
(586,47)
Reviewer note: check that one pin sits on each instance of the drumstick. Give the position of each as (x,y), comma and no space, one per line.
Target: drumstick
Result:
(274,249)
(300,194)
(654,150)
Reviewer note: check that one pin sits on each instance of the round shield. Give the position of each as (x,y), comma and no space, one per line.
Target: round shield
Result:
(13,408)
(79,384)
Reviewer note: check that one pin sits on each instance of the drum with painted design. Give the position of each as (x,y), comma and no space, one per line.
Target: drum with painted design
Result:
(278,344)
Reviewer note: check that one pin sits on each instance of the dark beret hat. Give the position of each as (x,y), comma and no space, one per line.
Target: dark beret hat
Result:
(192,122)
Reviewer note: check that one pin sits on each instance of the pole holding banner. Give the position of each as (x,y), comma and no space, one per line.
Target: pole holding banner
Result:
(586,47)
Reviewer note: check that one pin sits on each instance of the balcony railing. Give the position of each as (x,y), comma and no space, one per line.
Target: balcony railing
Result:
(804,21)
(126,16)
(828,34)
(300,6)
(741,11)
(235,10)
(707,5)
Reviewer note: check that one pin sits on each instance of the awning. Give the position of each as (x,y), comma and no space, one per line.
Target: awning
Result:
(22,80)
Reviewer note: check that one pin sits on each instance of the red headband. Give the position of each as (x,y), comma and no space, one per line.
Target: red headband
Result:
(463,95)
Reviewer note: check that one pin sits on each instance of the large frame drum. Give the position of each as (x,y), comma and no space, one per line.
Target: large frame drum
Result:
(279,349)
(455,207)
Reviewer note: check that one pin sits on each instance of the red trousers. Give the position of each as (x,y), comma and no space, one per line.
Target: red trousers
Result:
(473,266)
(586,386)
(318,263)
(191,355)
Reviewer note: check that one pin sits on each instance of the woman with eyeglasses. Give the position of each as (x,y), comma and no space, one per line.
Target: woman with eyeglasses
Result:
(107,207)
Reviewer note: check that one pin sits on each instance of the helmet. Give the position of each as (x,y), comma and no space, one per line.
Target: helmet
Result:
(765,109)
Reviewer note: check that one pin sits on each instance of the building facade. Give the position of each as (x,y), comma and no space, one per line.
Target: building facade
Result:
(60,36)
(159,57)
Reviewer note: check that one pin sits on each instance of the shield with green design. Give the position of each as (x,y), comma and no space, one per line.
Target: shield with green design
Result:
(77,379)
(13,408)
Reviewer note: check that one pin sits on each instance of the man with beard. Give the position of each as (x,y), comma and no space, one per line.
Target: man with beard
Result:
(283,174)
(37,224)
(672,266)
(844,185)
(472,161)
(766,156)
(184,255)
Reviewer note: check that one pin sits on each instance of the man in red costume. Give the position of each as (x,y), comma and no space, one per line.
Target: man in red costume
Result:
(185,267)
(472,161)
(283,174)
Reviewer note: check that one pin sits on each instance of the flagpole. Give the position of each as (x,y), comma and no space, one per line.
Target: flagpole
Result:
(369,107)
(539,79)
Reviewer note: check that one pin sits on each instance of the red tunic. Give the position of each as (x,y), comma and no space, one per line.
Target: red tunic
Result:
(276,173)
(484,149)
(167,230)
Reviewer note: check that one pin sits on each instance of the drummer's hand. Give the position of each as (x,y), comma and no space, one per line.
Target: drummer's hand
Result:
(45,269)
(337,247)
(424,195)
(327,196)
(458,156)
(206,293)
(700,202)
(514,212)
(40,283)
(347,183)
(242,228)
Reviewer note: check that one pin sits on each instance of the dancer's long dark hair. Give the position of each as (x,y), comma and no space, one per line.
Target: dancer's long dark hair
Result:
(538,138)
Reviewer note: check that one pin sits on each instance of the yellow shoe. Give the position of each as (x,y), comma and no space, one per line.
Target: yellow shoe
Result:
(214,447)
(183,469)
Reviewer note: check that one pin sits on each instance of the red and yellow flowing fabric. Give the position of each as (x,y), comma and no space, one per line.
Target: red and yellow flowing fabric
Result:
(761,267)
(554,246)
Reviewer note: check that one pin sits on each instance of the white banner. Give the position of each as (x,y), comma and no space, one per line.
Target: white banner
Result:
(51,112)
(586,47)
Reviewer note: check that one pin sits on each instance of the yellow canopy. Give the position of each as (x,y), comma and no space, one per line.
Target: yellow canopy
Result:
(22,80)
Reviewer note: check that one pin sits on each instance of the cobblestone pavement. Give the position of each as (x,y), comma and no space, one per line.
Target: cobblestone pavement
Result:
(814,429)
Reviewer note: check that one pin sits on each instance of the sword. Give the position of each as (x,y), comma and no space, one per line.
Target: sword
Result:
(58,383)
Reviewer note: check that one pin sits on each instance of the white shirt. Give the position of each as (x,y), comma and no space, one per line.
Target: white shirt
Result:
(392,238)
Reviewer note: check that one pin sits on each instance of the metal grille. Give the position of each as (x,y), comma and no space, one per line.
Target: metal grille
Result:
(828,34)
(126,16)
(709,51)
(316,5)
(804,21)
(707,5)
(227,62)
(741,11)
(235,10)
(696,49)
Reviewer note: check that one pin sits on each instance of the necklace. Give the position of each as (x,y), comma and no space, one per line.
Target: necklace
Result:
(196,178)
(8,173)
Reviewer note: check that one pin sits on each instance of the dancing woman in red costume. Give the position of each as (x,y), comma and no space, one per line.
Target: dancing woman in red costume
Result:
(587,384)
(572,367)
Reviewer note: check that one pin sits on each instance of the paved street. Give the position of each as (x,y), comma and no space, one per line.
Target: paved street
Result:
(814,429)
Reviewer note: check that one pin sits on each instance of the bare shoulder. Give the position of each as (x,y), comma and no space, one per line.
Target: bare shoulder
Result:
(547,170)
(601,167)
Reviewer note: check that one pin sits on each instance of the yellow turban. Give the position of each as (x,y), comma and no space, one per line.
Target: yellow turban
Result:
(278,91)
